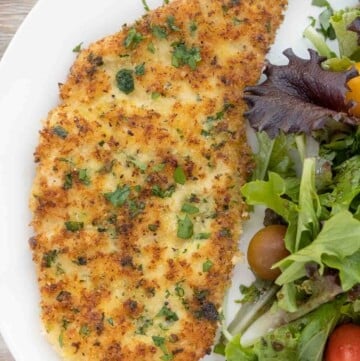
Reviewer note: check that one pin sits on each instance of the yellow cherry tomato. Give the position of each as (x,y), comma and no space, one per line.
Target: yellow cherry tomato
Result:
(354,93)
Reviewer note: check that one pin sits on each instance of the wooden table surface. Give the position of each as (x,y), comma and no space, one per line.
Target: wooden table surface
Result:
(12,13)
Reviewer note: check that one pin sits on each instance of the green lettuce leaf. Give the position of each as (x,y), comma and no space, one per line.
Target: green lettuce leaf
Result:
(273,156)
(348,40)
(338,240)
(301,340)
(269,193)
(346,186)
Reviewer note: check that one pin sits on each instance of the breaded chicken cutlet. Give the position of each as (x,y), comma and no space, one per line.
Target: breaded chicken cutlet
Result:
(136,205)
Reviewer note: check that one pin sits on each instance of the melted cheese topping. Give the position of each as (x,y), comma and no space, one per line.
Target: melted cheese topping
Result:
(136,201)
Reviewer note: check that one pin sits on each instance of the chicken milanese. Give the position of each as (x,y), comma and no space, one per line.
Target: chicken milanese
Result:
(136,205)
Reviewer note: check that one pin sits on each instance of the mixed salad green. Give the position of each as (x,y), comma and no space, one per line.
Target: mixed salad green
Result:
(313,193)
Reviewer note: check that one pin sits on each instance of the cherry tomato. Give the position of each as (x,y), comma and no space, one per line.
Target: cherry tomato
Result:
(354,93)
(344,344)
(265,249)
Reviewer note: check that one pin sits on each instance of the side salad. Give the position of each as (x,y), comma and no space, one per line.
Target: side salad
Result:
(305,302)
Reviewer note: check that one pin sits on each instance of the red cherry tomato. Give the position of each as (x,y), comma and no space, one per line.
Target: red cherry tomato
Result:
(265,249)
(344,344)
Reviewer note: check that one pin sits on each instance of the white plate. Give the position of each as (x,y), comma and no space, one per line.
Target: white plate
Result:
(37,59)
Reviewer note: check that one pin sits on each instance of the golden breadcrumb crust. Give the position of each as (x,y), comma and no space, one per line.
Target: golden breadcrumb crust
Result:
(136,203)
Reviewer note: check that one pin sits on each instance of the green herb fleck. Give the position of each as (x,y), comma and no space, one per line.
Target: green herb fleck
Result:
(60,131)
(119,196)
(68,182)
(193,27)
(158,167)
(151,48)
(84,330)
(168,314)
(74,226)
(179,290)
(153,227)
(189,209)
(203,236)
(181,55)
(155,95)
(125,80)
(163,193)
(49,258)
(207,266)
(110,321)
(179,176)
(171,23)
(77,48)
(140,69)
(185,228)
(158,341)
(159,32)
(61,338)
(135,207)
(144,324)
(133,38)
(84,177)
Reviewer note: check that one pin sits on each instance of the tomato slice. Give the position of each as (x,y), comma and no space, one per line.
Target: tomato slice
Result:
(344,344)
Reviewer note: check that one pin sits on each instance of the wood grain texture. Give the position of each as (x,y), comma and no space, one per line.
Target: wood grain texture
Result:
(12,13)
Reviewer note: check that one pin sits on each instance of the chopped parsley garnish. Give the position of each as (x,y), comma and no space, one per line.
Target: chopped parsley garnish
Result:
(207,266)
(189,209)
(135,207)
(110,321)
(182,55)
(133,38)
(159,32)
(84,330)
(179,290)
(144,324)
(77,48)
(202,236)
(84,177)
(179,176)
(60,131)
(49,258)
(125,80)
(171,23)
(68,182)
(168,314)
(158,167)
(153,227)
(185,228)
(138,164)
(119,196)
(151,48)
(192,27)
(73,226)
(140,69)
(158,341)
(163,193)
(155,95)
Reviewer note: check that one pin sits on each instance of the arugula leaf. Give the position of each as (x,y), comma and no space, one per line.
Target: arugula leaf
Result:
(338,240)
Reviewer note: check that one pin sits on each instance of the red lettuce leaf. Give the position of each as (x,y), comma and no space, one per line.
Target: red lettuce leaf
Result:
(299,97)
